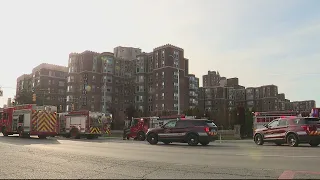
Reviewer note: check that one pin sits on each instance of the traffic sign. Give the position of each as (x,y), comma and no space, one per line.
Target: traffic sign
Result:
(1,92)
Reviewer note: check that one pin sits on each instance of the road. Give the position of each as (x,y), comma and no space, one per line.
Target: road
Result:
(114,158)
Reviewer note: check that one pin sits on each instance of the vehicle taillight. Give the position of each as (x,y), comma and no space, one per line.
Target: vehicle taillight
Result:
(206,129)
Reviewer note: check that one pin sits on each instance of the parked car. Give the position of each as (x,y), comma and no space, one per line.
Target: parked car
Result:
(292,131)
(191,131)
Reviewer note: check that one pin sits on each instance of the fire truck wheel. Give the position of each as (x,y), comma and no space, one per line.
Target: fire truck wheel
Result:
(141,136)
(4,131)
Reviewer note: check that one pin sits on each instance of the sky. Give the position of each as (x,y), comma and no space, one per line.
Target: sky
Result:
(260,42)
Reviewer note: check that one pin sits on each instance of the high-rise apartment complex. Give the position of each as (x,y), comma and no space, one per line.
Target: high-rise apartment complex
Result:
(47,81)
(112,82)
(211,79)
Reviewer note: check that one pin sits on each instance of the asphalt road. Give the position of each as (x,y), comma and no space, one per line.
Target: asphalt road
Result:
(114,158)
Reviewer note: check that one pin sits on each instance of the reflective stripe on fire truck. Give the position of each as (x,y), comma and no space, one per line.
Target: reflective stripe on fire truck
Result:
(34,119)
(314,133)
(46,121)
(95,130)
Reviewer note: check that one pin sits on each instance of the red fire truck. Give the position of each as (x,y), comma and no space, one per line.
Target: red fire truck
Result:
(262,118)
(29,119)
(315,112)
(84,123)
(138,127)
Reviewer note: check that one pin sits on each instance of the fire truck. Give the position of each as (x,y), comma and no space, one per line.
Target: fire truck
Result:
(315,112)
(77,124)
(262,118)
(29,119)
(138,127)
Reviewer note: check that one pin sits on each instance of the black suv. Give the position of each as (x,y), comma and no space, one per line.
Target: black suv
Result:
(191,131)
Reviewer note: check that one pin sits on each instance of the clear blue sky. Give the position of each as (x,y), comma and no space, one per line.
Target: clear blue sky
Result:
(261,42)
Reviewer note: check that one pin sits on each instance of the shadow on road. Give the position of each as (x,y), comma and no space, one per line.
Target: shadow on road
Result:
(184,145)
(285,145)
(27,141)
(99,140)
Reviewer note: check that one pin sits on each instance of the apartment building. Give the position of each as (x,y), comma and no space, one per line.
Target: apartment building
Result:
(111,82)
(264,98)
(100,82)
(211,79)
(48,82)
(170,80)
(24,89)
(302,105)
(127,53)
(156,81)
(193,91)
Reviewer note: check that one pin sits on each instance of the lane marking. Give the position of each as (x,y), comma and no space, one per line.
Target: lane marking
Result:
(287,175)
(290,174)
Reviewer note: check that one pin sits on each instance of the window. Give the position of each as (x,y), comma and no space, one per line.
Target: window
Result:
(175,75)
(61,83)
(170,124)
(109,79)
(175,86)
(175,107)
(283,122)
(162,105)
(162,96)
(162,74)
(150,108)
(162,85)
(175,96)
(69,98)
(273,124)
(184,124)
(141,78)
(71,79)
(21,118)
